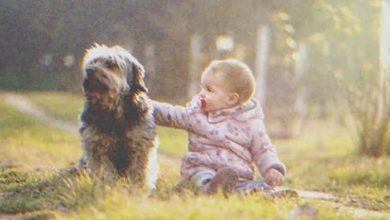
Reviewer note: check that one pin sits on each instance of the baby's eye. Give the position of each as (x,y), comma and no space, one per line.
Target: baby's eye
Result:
(206,88)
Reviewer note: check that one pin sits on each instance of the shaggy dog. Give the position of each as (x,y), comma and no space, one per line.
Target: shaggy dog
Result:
(117,126)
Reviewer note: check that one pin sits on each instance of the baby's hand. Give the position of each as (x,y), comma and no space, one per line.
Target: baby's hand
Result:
(274,178)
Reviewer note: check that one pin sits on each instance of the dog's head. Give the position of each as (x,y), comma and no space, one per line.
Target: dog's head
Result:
(110,71)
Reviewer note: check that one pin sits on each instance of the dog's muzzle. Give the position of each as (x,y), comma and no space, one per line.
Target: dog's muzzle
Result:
(95,82)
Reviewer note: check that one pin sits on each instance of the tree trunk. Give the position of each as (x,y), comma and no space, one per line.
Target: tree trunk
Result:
(150,67)
(195,65)
(263,41)
(300,101)
(384,58)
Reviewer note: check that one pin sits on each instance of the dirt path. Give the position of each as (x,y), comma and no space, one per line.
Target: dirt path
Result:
(26,106)
(358,212)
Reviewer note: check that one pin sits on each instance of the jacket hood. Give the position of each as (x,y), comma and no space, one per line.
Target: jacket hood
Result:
(250,110)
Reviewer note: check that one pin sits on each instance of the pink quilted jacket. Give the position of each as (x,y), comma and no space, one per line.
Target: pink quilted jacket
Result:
(232,137)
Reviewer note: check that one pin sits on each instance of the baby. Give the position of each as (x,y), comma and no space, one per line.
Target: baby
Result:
(227,136)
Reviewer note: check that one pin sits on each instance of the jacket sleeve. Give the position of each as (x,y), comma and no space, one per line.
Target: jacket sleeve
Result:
(263,152)
(171,116)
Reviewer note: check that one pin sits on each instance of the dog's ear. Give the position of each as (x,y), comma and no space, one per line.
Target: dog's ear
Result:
(135,77)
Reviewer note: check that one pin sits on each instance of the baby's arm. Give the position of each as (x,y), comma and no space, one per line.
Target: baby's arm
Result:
(265,156)
(170,116)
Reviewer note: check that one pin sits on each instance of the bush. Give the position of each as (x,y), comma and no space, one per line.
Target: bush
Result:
(370,109)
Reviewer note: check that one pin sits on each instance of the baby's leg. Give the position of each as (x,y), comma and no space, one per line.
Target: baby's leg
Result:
(208,181)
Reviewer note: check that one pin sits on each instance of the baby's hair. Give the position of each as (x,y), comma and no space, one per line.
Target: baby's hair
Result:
(237,75)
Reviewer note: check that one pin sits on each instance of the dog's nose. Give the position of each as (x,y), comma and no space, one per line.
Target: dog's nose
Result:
(89,71)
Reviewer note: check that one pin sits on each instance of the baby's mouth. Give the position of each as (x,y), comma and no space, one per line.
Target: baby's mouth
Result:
(202,103)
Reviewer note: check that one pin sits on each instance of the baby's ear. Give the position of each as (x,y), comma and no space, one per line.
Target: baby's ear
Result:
(233,99)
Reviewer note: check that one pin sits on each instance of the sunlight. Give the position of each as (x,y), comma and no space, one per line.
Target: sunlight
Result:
(225,43)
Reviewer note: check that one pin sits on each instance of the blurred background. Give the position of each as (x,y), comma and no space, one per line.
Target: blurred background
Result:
(311,58)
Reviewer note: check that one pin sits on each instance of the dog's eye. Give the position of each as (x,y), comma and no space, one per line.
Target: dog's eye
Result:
(110,63)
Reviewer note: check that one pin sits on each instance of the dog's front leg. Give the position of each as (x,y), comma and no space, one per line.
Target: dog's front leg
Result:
(136,171)
(98,148)
(102,168)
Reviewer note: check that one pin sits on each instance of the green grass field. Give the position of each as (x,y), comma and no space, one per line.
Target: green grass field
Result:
(32,154)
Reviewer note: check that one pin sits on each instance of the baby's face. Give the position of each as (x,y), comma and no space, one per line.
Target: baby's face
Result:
(214,94)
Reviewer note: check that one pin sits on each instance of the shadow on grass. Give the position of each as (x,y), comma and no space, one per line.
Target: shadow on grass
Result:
(29,192)
(23,191)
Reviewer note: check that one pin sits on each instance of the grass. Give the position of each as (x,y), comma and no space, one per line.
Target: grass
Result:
(26,191)
(190,207)
(29,142)
(323,159)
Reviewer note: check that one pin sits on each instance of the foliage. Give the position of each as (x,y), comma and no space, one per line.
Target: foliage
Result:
(369,106)
(335,32)
(333,29)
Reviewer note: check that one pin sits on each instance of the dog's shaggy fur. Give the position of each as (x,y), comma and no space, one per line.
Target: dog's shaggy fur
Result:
(117,126)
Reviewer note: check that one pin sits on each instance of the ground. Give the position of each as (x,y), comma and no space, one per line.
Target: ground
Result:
(38,138)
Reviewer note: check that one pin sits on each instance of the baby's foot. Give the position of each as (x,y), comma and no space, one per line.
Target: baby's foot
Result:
(226,178)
